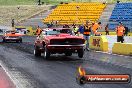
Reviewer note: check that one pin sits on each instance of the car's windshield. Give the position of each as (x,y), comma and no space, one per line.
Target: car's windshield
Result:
(8,32)
(51,32)
(11,32)
(55,31)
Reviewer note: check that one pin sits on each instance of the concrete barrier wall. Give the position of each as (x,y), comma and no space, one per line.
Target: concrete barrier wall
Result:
(99,43)
(122,48)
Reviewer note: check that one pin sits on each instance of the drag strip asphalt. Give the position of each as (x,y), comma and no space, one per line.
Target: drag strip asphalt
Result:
(29,71)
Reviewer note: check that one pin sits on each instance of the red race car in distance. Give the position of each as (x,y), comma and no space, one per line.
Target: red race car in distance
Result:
(12,36)
(58,41)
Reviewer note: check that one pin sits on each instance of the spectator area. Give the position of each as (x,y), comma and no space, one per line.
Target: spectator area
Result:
(121,13)
(78,13)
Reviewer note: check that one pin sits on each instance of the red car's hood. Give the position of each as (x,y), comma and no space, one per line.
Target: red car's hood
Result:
(63,36)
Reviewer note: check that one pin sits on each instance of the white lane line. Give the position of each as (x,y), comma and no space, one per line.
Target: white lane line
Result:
(112,54)
(15,82)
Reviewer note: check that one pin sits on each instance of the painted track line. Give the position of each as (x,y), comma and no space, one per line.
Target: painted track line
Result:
(15,81)
(113,54)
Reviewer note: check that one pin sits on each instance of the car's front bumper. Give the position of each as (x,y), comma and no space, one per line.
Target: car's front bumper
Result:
(65,48)
(12,39)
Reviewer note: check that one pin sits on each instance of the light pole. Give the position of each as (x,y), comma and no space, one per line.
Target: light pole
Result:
(18,14)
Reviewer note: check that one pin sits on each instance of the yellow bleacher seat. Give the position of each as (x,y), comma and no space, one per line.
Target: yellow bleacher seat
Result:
(76,12)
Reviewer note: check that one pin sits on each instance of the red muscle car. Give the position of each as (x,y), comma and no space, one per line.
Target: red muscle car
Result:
(58,40)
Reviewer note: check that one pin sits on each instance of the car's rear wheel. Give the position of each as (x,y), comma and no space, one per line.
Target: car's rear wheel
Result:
(68,53)
(80,53)
(46,53)
(37,52)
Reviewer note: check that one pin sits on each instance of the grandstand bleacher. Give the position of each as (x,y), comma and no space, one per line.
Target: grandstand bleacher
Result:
(77,13)
(121,13)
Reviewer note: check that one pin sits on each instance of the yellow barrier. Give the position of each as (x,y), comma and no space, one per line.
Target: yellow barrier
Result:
(30,30)
(98,43)
(122,48)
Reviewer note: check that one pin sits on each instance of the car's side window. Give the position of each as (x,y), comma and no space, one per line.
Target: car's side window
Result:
(45,32)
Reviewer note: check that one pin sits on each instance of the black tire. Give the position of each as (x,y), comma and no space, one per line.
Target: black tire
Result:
(80,53)
(46,53)
(68,53)
(4,40)
(37,52)
(21,41)
(82,80)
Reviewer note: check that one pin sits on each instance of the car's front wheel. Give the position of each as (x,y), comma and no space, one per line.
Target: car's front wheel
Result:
(37,52)
(20,40)
(46,53)
(80,53)
(4,40)
(81,80)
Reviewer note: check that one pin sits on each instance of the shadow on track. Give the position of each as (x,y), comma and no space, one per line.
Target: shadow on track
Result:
(59,58)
